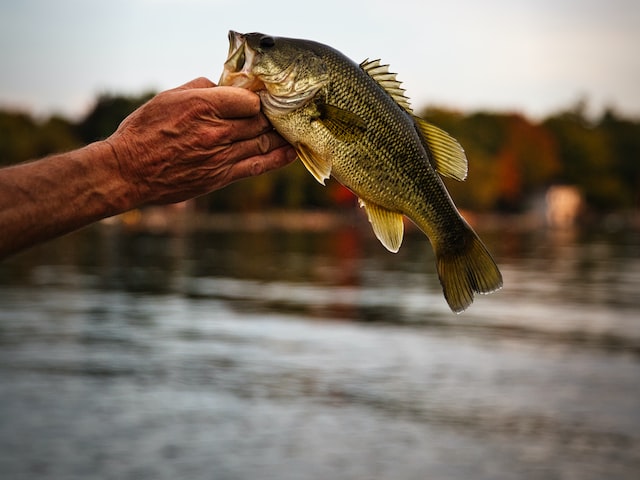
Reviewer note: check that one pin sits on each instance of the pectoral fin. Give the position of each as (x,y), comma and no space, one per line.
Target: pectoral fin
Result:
(387,225)
(342,124)
(447,154)
(319,168)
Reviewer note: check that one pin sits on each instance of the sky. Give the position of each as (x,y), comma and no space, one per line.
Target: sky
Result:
(534,57)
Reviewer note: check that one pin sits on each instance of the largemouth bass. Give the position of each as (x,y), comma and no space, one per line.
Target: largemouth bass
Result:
(353,122)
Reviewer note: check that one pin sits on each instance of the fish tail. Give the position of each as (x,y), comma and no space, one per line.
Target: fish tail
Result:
(467,270)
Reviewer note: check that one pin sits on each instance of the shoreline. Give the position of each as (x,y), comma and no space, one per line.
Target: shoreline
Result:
(181,218)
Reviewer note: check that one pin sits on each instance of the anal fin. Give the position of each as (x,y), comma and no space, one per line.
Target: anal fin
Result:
(387,225)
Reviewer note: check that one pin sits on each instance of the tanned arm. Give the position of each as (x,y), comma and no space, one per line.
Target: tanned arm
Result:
(50,197)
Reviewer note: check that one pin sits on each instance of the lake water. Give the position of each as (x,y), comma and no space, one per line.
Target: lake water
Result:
(317,355)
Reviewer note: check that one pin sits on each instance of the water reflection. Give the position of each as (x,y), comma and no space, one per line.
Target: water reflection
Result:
(317,355)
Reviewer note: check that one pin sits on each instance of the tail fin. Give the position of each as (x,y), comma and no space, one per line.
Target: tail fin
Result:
(467,271)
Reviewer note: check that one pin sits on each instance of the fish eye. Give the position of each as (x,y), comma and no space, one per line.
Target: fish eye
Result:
(267,41)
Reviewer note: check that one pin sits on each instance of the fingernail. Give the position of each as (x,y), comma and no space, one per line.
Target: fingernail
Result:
(264,143)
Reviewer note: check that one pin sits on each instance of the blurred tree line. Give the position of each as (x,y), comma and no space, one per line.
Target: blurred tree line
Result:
(511,158)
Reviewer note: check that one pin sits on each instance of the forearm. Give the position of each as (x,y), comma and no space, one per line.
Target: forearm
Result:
(56,195)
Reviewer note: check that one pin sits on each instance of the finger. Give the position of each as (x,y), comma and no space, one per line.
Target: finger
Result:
(231,102)
(258,145)
(235,130)
(259,164)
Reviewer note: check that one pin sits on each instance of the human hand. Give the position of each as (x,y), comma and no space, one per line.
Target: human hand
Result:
(194,139)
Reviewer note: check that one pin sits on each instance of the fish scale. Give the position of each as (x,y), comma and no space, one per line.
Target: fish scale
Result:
(353,122)
(353,166)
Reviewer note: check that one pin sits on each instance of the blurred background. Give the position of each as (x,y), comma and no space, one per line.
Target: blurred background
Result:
(261,331)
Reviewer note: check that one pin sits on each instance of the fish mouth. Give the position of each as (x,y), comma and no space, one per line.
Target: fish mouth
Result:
(238,69)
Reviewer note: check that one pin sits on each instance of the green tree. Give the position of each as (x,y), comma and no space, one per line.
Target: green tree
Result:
(623,136)
(588,160)
(107,114)
(18,133)
(23,138)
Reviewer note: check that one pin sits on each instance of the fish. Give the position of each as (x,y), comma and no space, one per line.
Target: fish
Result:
(353,122)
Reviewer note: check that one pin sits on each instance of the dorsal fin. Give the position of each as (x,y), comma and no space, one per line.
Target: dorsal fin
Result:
(387,80)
